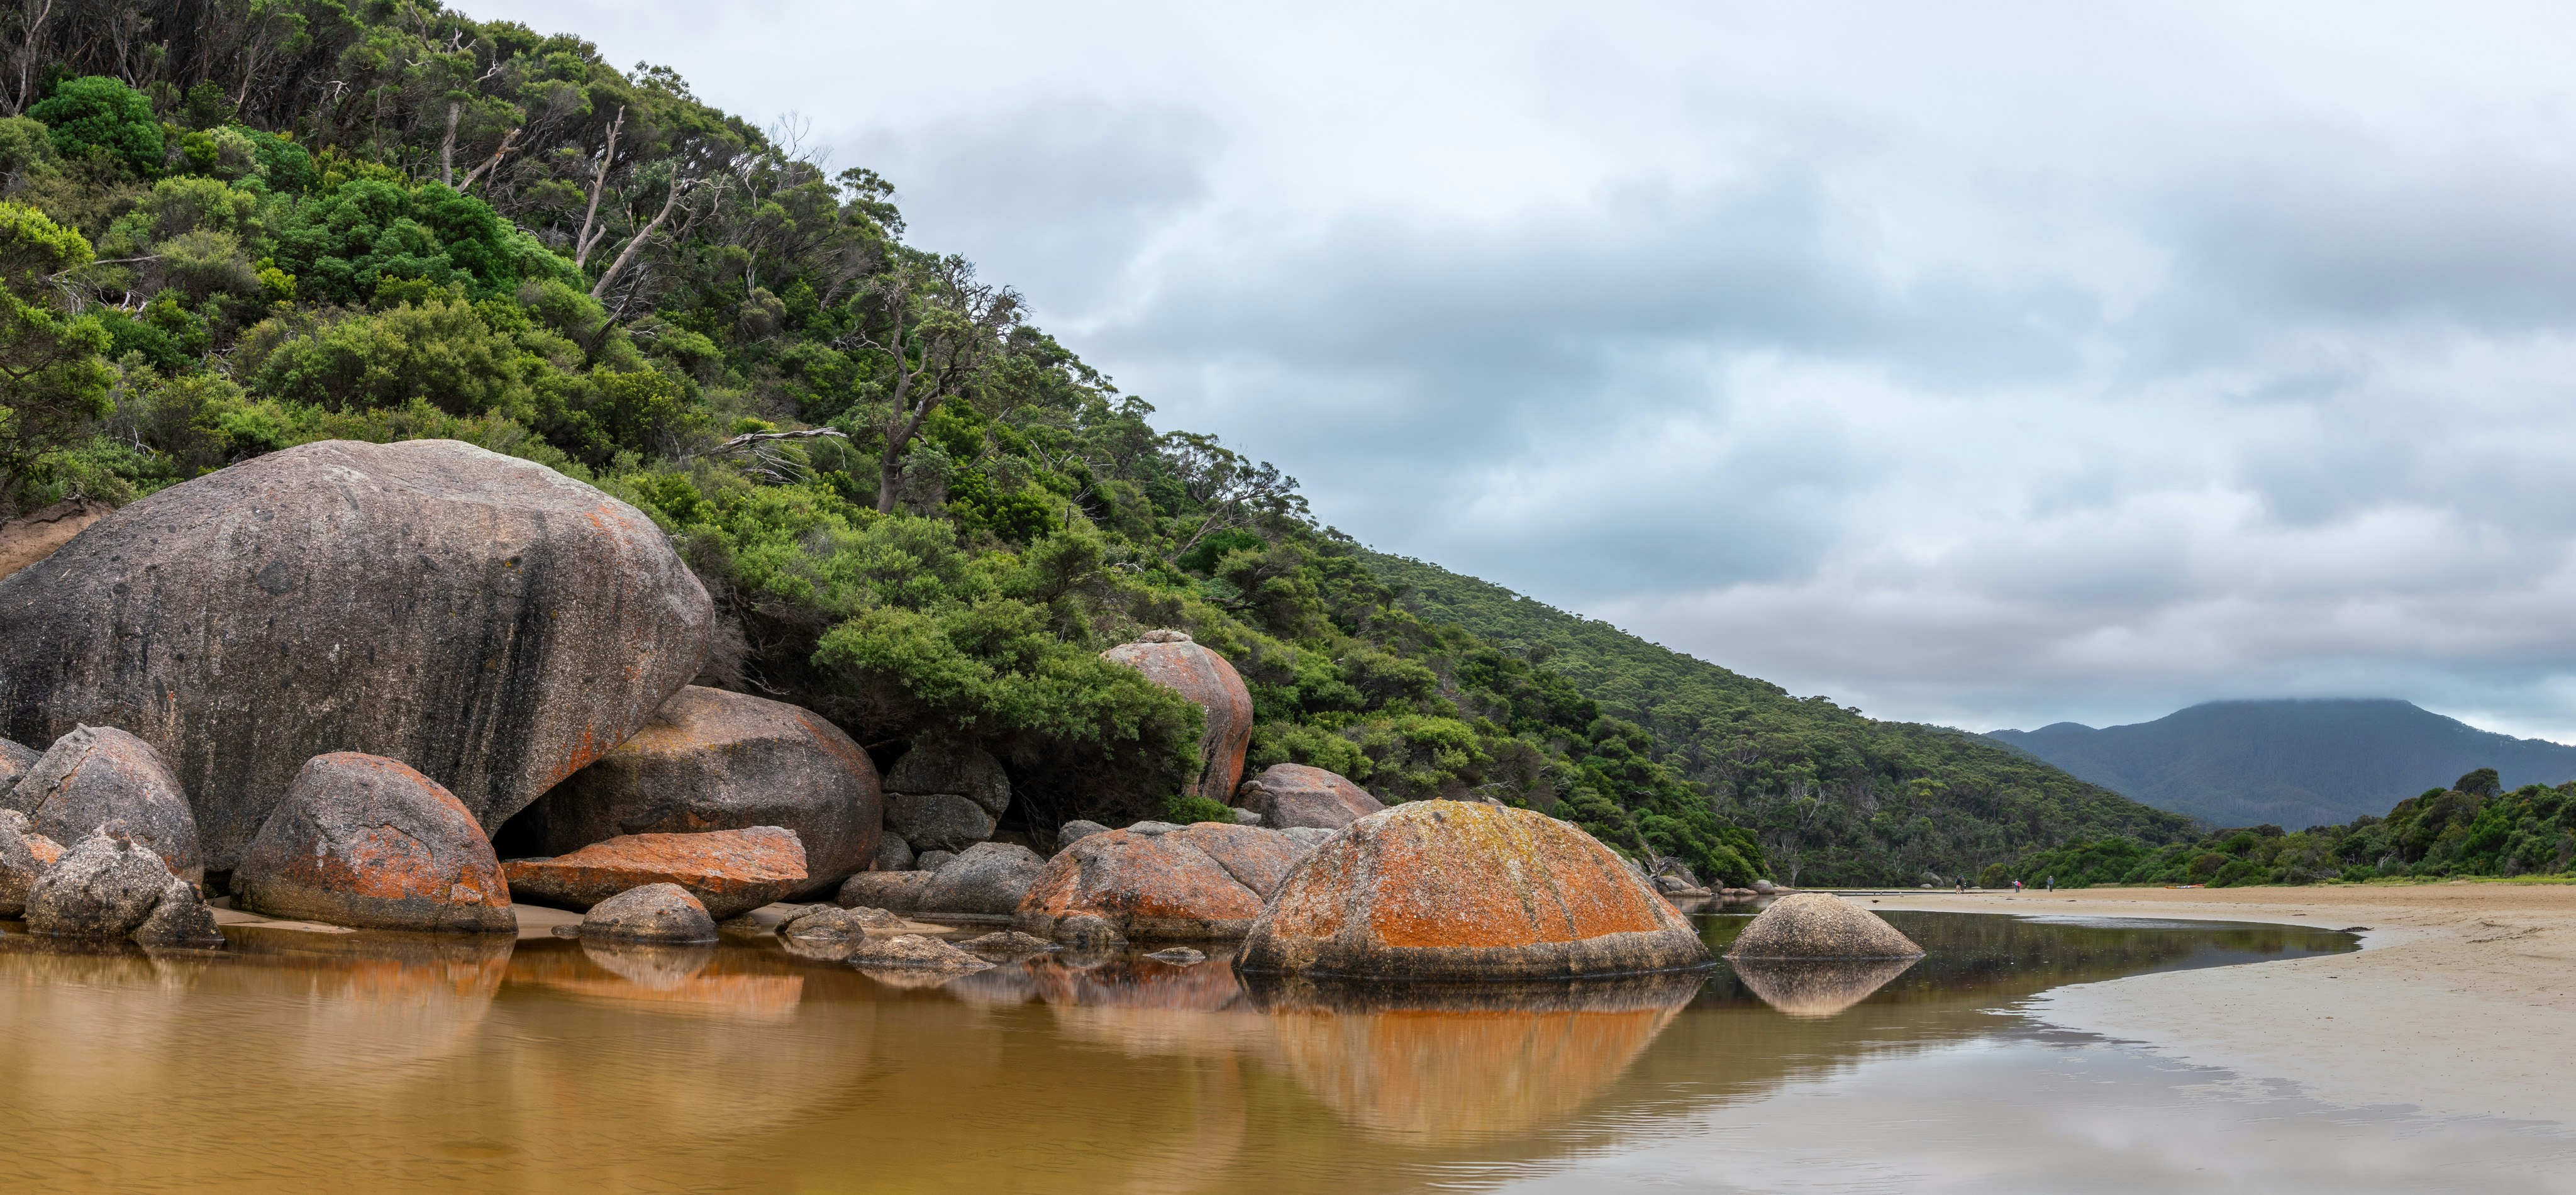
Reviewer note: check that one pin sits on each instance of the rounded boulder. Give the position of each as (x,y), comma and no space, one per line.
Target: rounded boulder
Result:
(1172,660)
(368,842)
(716,760)
(1295,796)
(104,887)
(662,913)
(1196,883)
(729,871)
(489,621)
(1459,890)
(1814,925)
(99,776)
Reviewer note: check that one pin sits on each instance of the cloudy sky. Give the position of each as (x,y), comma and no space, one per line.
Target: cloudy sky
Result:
(1987,364)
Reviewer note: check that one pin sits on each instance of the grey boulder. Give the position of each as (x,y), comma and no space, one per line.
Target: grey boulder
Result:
(893,853)
(14,762)
(486,620)
(896,891)
(988,879)
(938,821)
(834,922)
(1292,795)
(1075,831)
(1816,925)
(662,913)
(938,765)
(181,918)
(104,888)
(932,861)
(709,759)
(100,776)
(19,866)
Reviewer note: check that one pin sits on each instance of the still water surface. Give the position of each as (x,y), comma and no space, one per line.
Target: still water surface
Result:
(308,1062)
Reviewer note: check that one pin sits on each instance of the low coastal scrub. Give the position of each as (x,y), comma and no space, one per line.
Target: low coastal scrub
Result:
(2469,829)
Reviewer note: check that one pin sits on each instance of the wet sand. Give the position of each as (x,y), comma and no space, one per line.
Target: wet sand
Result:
(2461,1003)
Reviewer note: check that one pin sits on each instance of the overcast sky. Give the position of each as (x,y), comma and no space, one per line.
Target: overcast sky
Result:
(1991,365)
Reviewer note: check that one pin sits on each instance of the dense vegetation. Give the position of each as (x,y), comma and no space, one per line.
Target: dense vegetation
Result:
(2472,828)
(1835,797)
(227,229)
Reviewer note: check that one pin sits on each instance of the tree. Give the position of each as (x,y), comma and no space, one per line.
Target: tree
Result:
(943,332)
(97,112)
(53,382)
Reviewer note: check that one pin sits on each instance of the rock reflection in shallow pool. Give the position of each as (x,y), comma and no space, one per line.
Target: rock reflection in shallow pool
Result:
(1439,1063)
(1817,987)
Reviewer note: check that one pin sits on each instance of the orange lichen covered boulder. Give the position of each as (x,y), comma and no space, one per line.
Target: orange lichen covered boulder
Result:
(1454,890)
(715,760)
(485,619)
(365,841)
(729,871)
(1170,659)
(1202,882)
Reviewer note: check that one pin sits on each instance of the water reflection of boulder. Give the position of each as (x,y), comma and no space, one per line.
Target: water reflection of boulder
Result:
(674,979)
(1817,987)
(1440,1064)
(1142,1007)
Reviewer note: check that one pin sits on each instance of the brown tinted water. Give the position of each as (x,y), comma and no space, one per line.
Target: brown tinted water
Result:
(309,1062)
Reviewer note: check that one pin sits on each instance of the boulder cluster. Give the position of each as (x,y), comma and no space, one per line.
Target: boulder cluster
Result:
(398,687)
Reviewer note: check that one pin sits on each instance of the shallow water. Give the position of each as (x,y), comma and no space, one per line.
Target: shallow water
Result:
(302,1062)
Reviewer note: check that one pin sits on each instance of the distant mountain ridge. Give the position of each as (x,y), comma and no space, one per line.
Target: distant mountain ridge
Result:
(2290,762)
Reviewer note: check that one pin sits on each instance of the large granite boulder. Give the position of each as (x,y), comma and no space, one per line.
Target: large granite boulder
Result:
(1290,795)
(662,913)
(728,871)
(1813,925)
(1170,659)
(1156,881)
(100,776)
(33,536)
(487,620)
(1460,890)
(896,891)
(986,879)
(365,841)
(108,888)
(714,760)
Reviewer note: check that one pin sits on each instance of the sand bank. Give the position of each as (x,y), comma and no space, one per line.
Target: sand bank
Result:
(2462,1002)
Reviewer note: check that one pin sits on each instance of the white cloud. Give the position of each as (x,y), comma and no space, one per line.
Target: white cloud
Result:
(1990,363)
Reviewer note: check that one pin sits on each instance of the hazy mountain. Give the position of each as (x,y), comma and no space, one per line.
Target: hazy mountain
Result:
(2293,763)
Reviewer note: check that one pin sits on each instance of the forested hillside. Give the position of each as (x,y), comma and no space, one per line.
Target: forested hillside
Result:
(229,228)
(1835,797)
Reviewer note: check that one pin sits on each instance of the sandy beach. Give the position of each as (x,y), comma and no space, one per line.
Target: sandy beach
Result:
(2462,1002)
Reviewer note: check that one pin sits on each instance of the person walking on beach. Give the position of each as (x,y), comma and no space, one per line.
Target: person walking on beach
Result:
(2016,887)
(2052,883)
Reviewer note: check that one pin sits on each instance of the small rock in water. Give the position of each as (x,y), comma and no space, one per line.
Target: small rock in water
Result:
(1178,956)
(1089,931)
(181,919)
(912,952)
(1008,944)
(829,921)
(1815,925)
(1765,887)
(650,913)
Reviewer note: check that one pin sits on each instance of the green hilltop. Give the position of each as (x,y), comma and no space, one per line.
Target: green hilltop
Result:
(227,230)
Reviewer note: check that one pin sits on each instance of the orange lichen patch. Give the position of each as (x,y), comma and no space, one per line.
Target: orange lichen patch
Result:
(1474,875)
(47,851)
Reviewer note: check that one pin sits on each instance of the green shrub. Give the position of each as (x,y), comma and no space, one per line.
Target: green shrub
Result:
(97,112)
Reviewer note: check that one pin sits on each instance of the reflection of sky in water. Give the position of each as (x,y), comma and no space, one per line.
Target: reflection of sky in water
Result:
(547,1065)
(2032,1111)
